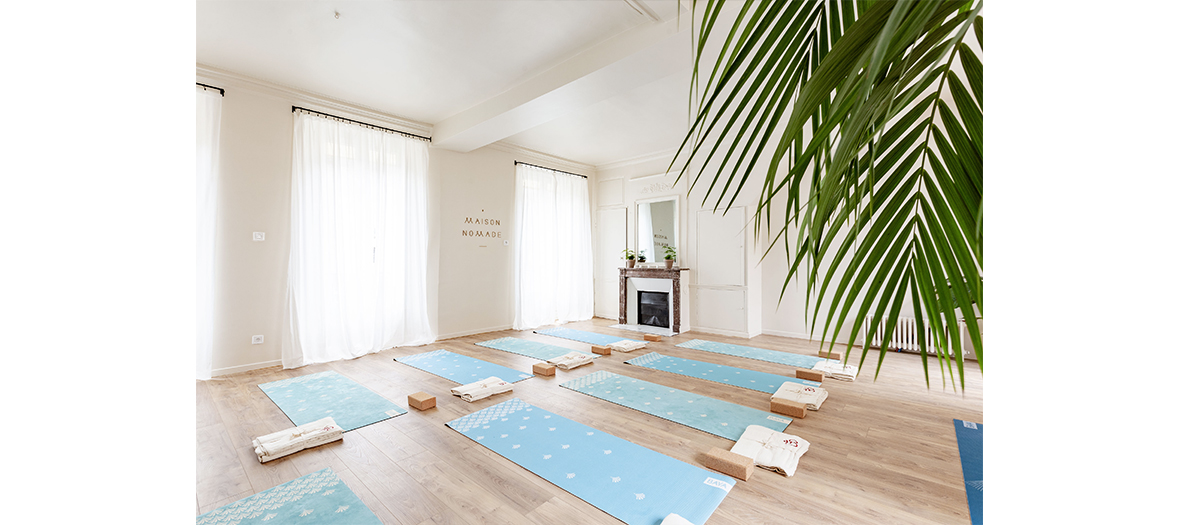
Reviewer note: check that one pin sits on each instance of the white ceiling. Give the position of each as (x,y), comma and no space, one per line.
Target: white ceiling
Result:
(593,81)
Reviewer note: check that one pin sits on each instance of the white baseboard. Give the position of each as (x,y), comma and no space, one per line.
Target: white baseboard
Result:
(797,335)
(719,331)
(245,368)
(473,332)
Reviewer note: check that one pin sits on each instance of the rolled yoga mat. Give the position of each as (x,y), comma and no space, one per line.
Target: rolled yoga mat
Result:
(706,414)
(749,352)
(726,375)
(460,368)
(312,397)
(593,338)
(319,497)
(533,349)
(632,483)
(970,437)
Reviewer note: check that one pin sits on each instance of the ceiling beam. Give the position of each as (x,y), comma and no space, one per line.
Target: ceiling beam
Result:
(631,59)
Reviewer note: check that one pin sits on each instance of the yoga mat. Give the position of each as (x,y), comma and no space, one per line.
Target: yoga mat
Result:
(528,348)
(312,397)
(749,352)
(706,414)
(319,497)
(726,375)
(632,483)
(970,437)
(460,368)
(593,338)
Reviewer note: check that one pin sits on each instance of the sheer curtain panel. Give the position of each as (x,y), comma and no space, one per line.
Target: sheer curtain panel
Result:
(208,137)
(357,272)
(554,267)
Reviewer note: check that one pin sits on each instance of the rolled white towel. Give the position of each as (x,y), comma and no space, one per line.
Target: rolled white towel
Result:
(571,360)
(812,396)
(628,345)
(836,370)
(289,441)
(771,450)
(482,389)
(675,519)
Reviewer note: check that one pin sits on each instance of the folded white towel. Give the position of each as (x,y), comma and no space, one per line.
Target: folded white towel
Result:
(628,345)
(482,389)
(771,450)
(836,370)
(571,360)
(675,519)
(812,396)
(292,440)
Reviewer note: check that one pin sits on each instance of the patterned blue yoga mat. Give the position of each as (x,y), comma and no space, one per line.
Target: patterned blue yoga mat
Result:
(319,497)
(749,352)
(328,394)
(528,348)
(727,375)
(706,414)
(593,338)
(970,437)
(460,368)
(627,481)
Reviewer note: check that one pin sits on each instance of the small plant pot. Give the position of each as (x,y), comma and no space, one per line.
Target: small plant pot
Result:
(668,263)
(630,263)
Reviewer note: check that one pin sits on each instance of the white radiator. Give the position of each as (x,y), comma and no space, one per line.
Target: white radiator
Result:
(905,336)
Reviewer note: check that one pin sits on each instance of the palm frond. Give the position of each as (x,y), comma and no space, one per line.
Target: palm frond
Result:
(874,141)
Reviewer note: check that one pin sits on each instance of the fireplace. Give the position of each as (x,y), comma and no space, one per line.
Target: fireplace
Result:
(653,309)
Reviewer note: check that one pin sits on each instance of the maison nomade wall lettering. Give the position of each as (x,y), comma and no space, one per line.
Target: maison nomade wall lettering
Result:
(482,228)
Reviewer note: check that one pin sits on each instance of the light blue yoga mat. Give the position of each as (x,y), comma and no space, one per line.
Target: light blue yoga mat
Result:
(312,397)
(593,338)
(726,375)
(460,368)
(749,352)
(970,437)
(706,414)
(320,498)
(627,481)
(528,348)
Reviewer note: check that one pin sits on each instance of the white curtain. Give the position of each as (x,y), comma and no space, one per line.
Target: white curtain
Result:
(554,266)
(208,138)
(357,272)
(645,243)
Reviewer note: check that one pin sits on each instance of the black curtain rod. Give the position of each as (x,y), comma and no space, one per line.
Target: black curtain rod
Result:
(297,108)
(212,87)
(550,169)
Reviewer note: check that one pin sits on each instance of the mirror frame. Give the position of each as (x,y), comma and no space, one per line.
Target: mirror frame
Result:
(678,240)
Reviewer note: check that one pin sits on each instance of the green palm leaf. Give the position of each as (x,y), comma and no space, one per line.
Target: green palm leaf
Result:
(866,118)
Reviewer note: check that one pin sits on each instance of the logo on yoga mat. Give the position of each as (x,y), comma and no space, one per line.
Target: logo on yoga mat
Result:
(718,483)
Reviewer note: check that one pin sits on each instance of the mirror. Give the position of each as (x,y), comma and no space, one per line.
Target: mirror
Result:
(657,226)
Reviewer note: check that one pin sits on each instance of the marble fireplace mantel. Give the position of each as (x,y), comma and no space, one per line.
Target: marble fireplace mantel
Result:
(651,273)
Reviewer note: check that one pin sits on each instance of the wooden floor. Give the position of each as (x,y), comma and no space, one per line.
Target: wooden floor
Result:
(881,452)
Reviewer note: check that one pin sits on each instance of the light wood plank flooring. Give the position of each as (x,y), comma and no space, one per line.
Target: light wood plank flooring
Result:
(881,452)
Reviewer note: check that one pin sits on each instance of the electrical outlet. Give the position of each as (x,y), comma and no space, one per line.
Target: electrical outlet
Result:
(259,236)
(256,340)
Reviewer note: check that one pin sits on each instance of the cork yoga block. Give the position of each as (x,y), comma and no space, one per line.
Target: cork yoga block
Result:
(600,350)
(544,369)
(730,463)
(652,337)
(831,355)
(810,375)
(421,400)
(788,408)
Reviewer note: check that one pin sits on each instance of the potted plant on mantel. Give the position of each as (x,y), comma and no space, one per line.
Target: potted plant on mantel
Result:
(669,256)
(642,256)
(630,256)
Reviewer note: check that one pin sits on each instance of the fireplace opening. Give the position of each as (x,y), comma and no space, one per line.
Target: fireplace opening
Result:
(653,309)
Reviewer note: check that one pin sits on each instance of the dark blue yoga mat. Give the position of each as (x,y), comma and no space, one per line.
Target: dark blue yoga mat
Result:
(970,436)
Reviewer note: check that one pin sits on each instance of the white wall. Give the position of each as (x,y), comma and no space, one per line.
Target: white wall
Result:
(469,289)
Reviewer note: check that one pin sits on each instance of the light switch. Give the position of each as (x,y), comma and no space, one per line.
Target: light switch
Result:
(256,340)
(259,236)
